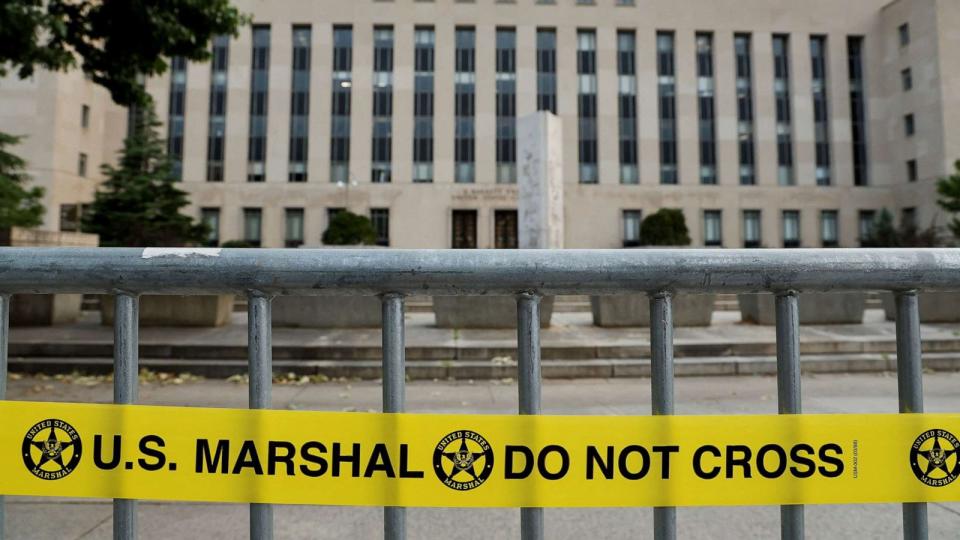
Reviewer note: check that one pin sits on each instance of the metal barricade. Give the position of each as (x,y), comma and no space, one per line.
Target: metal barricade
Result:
(525,274)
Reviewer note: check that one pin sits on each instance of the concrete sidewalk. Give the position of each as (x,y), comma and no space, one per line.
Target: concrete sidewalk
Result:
(572,347)
(38,518)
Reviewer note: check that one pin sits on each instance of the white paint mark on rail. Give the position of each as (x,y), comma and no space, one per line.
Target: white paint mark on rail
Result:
(150,253)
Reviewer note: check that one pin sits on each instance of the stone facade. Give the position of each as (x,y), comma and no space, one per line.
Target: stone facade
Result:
(48,108)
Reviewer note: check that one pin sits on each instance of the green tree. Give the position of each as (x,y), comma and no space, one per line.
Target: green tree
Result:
(665,227)
(115,42)
(949,190)
(139,203)
(882,232)
(19,206)
(349,229)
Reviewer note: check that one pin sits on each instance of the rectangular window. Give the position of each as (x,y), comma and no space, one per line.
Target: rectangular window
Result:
(211,218)
(865,224)
(175,114)
(380,217)
(587,105)
(340,107)
(912,174)
(300,105)
(904,33)
(506,64)
(252,225)
(631,227)
(293,227)
(464,105)
(751,229)
(829,229)
(821,108)
(909,127)
(85,116)
(505,232)
(791,228)
(259,89)
(706,106)
(858,112)
(216,131)
(666,89)
(743,48)
(381,154)
(547,70)
(70,217)
(464,229)
(424,41)
(82,164)
(784,116)
(627,103)
(906,79)
(908,218)
(712,228)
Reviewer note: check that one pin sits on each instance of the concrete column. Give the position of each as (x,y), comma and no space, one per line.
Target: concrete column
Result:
(608,127)
(361,110)
(688,123)
(238,108)
(443,109)
(278,104)
(801,75)
(318,145)
(196,122)
(540,181)
(765,128)
(485,155)
(402,148)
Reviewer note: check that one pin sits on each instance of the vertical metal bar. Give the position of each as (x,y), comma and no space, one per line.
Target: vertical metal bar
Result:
(4,338)
(260,359)
(126,372)
(661,380)
(529,379)
(910,386)
(788,390)
(394,389)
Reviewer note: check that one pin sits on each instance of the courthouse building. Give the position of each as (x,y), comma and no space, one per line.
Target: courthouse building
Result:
(770,123)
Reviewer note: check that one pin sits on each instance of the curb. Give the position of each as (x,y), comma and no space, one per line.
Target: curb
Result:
(475,369)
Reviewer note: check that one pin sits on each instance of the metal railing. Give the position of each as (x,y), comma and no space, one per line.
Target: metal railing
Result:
(527,275)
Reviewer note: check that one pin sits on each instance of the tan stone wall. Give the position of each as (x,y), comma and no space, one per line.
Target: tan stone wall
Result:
(420,214)
(47,109)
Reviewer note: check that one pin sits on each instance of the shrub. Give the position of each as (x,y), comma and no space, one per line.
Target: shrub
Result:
(665,227)
(349,229)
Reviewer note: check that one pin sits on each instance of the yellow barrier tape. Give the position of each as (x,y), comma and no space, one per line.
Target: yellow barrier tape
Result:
(302,457)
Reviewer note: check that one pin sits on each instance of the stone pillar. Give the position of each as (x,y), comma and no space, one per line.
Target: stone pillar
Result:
(540,181)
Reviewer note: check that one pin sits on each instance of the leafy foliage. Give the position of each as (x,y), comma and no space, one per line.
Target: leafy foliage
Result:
(115,41)
(140,203)
(949,190)
(665,227)
(236,244)
(883,234)
(349,229)
(19,206)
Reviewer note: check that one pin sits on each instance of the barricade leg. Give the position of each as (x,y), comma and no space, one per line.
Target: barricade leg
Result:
(260,358)
(529,381)
(4,338)
(126,373)
(661,380)
(910,386)
(788,390)
(394,383)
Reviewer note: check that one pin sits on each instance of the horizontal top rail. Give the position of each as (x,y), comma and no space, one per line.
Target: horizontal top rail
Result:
(470,272)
